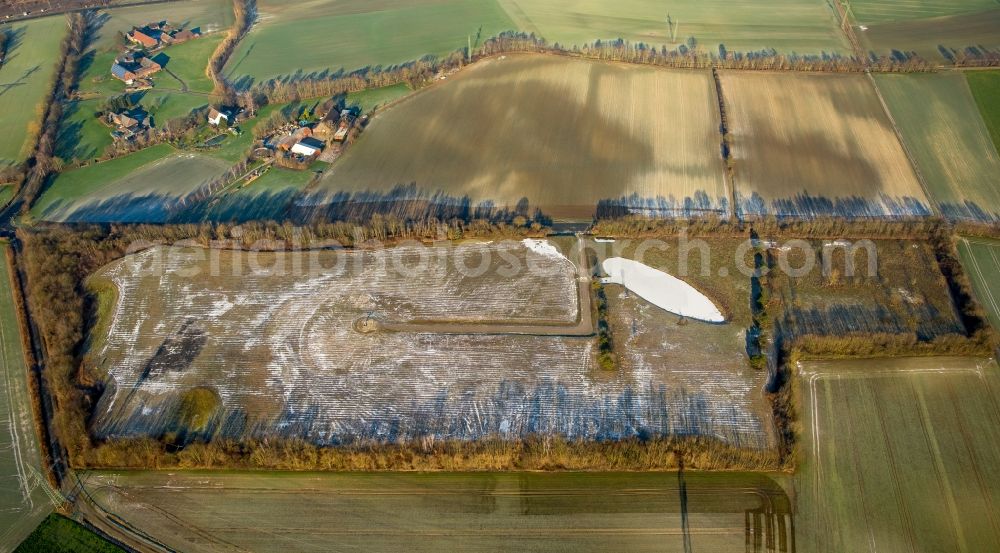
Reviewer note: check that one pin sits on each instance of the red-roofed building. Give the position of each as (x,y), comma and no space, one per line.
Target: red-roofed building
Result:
(139,37)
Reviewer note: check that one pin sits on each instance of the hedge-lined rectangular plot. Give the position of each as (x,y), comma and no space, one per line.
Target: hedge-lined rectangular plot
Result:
(563,134)
(940,124)
(816,145)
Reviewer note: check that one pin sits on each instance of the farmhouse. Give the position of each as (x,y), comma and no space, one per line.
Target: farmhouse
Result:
(154,35)
(217,116)
(287,141)
(128,123)
(143,38)
(131,67)
(307,147)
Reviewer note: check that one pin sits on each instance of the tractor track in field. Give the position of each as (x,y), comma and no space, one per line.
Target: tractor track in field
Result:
(860,476)
(934,450)
(893,470)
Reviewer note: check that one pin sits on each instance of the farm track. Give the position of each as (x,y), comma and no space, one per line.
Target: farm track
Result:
(933,447)
(859,474)
(584,326)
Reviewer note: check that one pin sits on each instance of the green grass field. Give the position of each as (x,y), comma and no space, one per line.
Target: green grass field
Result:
(801,26)
(985,86)
(375,98)
(82,135)
(940,123)
(25,78)
(23,503)
(927,37)
(431,512)
(6,194)
(867,12)
(58,534)
(981,259)
(292,39)
(140,187)
(899,455)
(266,198)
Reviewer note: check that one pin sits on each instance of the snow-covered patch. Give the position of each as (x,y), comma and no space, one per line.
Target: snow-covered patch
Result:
(542,247)
(661,289)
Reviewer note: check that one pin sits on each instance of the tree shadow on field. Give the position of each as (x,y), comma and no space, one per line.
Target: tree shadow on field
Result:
(165,208)
(523,137)
(69,140)
(15,36)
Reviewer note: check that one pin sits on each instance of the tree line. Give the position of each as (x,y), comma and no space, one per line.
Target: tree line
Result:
(244,11)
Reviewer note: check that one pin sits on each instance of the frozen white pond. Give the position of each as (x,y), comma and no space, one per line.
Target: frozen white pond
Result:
(661,289)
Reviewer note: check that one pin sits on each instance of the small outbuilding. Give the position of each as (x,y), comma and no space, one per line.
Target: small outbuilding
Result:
(307,147)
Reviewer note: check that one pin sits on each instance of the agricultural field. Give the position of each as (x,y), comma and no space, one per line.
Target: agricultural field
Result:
(809,145)
(353,34)
(937,39)
(25,78)
(58,534)
(940,124)
(23,502)
(562,134)
(899,455)
(985,86)
(981,260)
(789,26)
(892,299)
(142,187)
(284,352)
(868,12)
(208,511)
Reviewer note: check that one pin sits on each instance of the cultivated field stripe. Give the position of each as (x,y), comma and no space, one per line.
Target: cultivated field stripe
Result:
(886,436)
(902,143)
(942,475)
